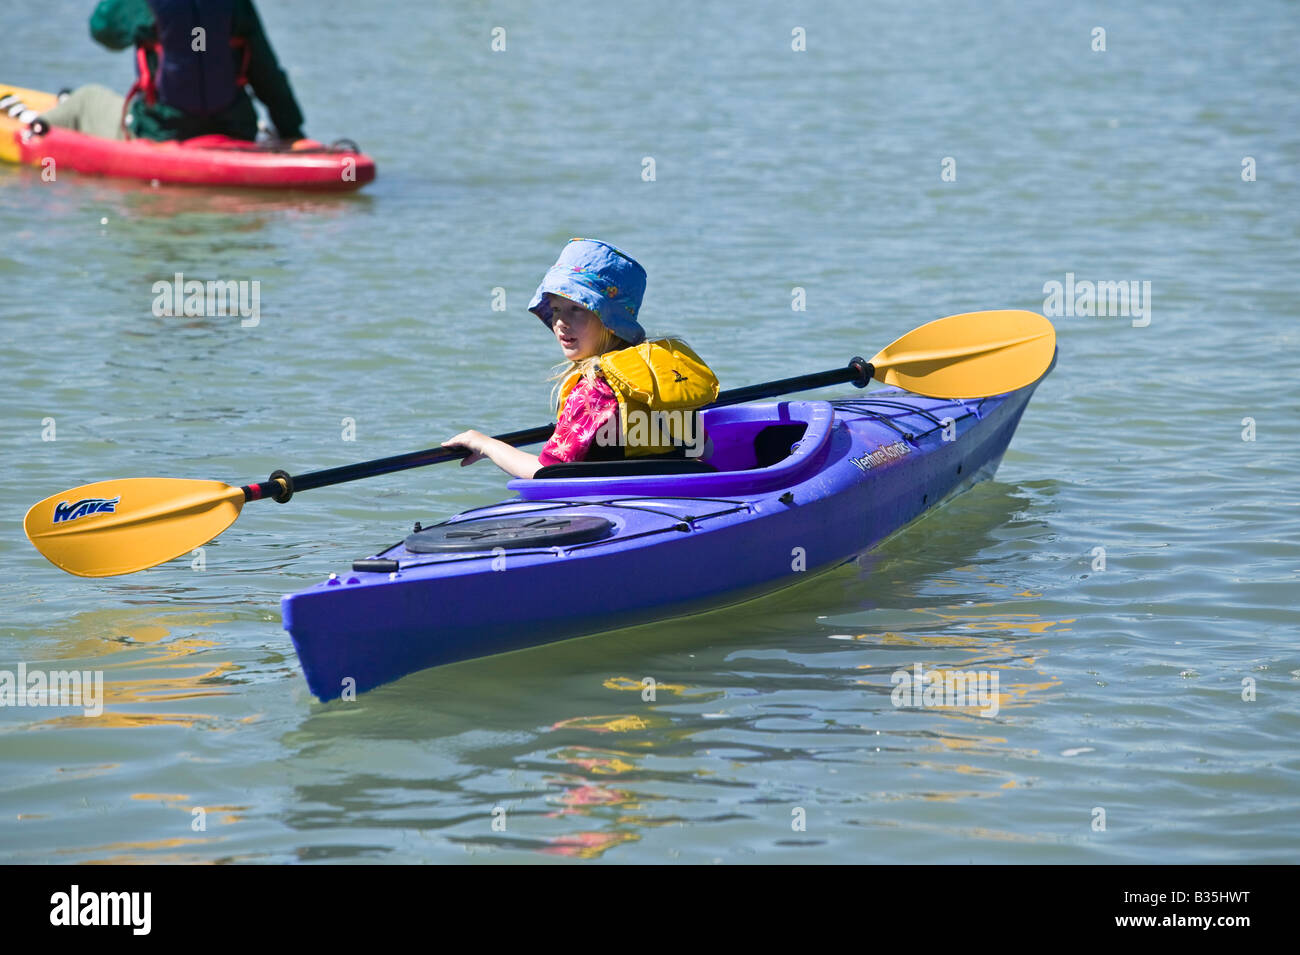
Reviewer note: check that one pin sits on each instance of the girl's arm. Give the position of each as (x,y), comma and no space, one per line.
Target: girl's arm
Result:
(507,457)
(589,407)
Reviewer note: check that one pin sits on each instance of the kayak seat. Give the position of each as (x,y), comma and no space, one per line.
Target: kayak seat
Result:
(775,443)
(624,468)
(752,450)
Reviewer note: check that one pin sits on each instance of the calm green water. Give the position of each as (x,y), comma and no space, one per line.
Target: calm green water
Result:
(1122,687)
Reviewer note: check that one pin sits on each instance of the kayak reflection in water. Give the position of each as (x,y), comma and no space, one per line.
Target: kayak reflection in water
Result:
(193,63)
(619,395)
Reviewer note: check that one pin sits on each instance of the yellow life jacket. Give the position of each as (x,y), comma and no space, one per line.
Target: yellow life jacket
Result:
(659,385)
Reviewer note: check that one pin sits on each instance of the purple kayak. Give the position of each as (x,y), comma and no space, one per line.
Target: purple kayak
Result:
(791,489)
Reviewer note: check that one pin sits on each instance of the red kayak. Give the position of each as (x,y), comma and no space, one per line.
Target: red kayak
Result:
(202,161)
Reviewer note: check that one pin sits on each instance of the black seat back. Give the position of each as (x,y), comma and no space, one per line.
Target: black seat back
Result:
(774,443)
(625,468)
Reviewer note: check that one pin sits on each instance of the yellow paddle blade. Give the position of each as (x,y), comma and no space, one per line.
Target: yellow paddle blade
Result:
(119,527)
(972,355)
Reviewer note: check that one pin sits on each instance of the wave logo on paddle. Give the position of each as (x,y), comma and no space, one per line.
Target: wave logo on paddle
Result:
(890,452)
(71,510)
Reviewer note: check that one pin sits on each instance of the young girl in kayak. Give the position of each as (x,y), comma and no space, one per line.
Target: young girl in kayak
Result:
(620,395)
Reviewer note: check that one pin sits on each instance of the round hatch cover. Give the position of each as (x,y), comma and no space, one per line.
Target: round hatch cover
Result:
(509,532)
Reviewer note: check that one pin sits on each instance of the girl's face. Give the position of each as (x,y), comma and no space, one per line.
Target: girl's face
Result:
(577,329)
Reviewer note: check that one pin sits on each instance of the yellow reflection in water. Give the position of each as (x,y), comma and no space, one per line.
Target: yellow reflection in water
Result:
(602,762)
(587,845)
(579,798)
(223,814)
(947,640)
(636,686)
(956,795)
(96,633)
(964,742)
(101,634)
(964,832)
(584,798)
(1024,623)
(623,723)
(999,647)
(176,842)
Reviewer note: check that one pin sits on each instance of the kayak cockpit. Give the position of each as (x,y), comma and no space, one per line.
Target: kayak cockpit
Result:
(751,449)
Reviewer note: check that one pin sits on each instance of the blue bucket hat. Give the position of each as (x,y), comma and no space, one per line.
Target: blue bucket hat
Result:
(598,277)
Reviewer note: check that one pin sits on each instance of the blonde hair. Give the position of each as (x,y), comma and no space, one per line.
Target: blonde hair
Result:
(588,368)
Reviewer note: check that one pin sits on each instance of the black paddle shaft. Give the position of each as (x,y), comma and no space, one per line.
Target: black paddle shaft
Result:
(281,485)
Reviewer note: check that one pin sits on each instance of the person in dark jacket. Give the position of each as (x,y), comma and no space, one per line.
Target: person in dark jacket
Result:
(195,62)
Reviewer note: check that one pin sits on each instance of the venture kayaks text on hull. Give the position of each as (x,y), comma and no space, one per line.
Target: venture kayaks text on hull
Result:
(791,489)
(203,161)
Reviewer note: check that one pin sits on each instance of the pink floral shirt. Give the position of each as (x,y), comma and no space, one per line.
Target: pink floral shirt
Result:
(589,406)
